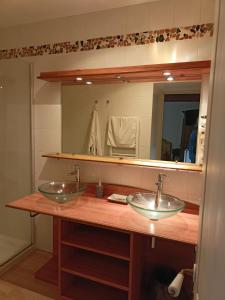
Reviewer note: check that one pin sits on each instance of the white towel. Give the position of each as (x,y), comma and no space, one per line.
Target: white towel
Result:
(95,143)
(122,132)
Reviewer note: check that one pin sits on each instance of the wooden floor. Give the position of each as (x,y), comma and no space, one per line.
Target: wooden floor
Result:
(9,291)
(22,275)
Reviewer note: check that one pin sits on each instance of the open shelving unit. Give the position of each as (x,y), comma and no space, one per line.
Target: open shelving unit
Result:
(115,244)
(97,263)
(83,289)
(97,267)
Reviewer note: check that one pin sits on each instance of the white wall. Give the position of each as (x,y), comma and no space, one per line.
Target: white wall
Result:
(211,252)
(47,116)
(136,18)
(15,147)
(175,183)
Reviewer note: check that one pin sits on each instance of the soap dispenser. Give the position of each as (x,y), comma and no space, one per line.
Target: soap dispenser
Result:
(99,189)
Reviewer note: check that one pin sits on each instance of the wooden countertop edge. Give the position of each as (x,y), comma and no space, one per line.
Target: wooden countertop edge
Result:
(162,229)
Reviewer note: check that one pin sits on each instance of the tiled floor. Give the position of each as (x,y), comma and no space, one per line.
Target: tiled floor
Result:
(10,291)
(19,282)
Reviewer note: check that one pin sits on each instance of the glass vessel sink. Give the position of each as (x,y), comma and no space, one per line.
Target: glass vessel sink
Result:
(61,192)
(145,204)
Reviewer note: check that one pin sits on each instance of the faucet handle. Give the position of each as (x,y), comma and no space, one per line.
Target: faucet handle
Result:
(77,173)
(76,169)
(161,177)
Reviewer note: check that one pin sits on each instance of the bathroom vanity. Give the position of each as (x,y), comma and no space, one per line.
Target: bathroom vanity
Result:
(106,250)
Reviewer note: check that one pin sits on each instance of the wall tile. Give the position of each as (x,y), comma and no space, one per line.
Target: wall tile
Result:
(120,40)
(160,15)
(186,12)
(207,10)
(175,183)
(47,140)
(204,49)
(131,19)
(183,51)
(47,116)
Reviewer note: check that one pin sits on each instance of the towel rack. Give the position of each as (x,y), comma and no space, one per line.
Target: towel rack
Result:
(117,154)
(114,151)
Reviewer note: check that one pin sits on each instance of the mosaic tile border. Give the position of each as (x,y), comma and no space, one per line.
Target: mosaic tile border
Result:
(120,40)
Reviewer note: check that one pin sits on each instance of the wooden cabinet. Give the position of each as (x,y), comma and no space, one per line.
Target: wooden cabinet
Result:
(97,263)
(104,250)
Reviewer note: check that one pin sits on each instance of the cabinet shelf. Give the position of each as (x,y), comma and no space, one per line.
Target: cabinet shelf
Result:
(99,268)
(99,240)
(99,263)
(82,289)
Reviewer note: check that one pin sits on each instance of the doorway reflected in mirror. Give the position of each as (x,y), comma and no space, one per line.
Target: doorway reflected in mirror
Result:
(180,125)
(177,106)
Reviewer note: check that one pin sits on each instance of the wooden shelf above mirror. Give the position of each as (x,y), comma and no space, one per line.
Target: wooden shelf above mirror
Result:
(127,161)
(146,73)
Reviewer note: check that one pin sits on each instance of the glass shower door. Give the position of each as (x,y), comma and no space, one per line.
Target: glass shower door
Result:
(15,156)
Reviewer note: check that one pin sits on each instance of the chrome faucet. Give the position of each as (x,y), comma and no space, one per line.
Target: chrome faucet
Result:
(76,172)
(159,184)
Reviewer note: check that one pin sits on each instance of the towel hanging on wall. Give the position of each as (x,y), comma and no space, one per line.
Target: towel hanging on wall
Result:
(122,132)
(95,142)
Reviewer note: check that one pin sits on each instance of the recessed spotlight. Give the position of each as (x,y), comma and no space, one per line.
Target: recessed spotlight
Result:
(88,82)
(170,78)
(79,78)
(118,76)
(166,73)
(1,86)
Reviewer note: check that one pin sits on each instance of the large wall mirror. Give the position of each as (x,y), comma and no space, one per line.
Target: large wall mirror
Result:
(152,113)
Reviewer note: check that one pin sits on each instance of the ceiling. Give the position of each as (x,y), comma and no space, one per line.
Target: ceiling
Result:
(18,12)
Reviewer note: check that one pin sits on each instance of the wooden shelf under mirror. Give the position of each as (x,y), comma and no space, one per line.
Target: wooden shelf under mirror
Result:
(127,161)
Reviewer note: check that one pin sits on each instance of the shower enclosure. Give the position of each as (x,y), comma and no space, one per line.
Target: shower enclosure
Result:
(15,156)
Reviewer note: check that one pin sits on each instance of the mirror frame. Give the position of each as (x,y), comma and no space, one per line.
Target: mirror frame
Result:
(184,71)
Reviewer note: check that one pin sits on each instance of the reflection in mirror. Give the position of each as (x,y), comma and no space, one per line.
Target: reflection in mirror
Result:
(175,121)
(120,113)
(157,121)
